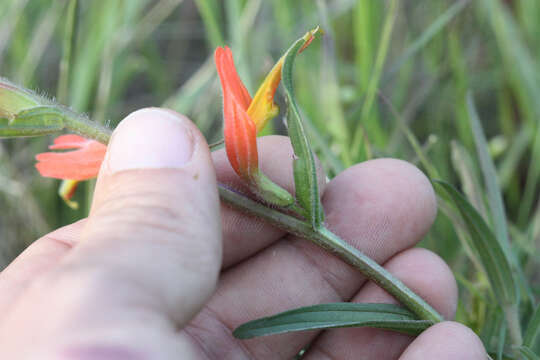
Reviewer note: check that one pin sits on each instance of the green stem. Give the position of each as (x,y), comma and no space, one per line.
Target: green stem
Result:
(378,275)
(330,241)
(85,127)
(322,237)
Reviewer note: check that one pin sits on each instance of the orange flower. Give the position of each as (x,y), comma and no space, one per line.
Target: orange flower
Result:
(81,164)
(243,116)
(71,166)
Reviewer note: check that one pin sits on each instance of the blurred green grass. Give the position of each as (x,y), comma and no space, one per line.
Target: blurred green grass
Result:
(390,78)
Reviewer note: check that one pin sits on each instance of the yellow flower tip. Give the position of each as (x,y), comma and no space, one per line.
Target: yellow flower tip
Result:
(263,108)
(66,192)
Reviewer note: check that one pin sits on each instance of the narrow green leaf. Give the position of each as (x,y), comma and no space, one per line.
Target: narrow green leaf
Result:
(532,334)
(305,174)
(467,171)
(68,49)
(335,315)
(329,94)
(512,158)
(528,354)
(498,217)
(429,33)
(490,178)
(359,136)
(521,66)
(494,320)
(211,17)
(43,33)
(35,121)
(485,245)
(501,340)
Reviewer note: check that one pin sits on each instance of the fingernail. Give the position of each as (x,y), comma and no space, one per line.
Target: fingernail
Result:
(150,139)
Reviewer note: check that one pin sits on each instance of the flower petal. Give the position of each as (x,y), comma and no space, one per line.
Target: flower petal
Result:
(239,130)
(69,141)
(263,108)
(81,164)
(229,77)
(240,138)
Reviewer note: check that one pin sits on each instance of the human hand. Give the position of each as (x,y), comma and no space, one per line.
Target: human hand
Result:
(137,279)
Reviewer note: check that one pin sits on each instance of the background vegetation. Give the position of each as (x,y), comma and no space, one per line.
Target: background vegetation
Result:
(390,78)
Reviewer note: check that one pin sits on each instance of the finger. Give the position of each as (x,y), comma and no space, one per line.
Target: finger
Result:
(37,259)
(446,341)
(381,207)
(423,272)
(244,235)
(150,252)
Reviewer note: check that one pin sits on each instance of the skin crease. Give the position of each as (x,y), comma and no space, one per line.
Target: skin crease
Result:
(138,279)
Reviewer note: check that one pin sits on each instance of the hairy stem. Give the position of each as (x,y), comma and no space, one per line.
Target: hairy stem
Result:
(84,127)
(330,241)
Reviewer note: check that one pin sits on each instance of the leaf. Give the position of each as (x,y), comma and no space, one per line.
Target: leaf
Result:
(520,65)
(467,171)
(305,174)
(490,178)
(532,334)
(491,328)
(39,120)
(528,353)
(501,340)
(335,315)
(428,34)
(485,245)
(13,98)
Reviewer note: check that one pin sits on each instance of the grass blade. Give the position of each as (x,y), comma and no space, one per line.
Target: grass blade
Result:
(532,334)
(211,18)
(501,340)
(329,94)
(68,46)
(335,315)
(498,217)
(528,354)
(490,178)
(486,245)
(466,169)
(373,85)
(432,30)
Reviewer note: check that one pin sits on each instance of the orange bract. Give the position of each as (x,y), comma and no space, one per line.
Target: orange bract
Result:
(81,164)
(243,116)
(240,131)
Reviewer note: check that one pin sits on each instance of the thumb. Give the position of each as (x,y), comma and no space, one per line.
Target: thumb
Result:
(155,217)
(148,257)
